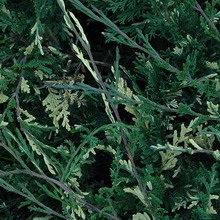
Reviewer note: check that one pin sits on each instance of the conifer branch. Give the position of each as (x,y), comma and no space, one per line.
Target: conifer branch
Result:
(113,93)
(183,150)
(9,150)
(123,134)
(103,19)
(61,186)
(72,149)
(210,22)
(18,88)
(30,197)
(7,58)
(102,85)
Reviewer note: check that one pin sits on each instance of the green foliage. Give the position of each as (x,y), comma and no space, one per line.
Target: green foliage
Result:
(127,129)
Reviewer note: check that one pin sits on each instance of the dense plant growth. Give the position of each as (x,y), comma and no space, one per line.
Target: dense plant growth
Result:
(109,109)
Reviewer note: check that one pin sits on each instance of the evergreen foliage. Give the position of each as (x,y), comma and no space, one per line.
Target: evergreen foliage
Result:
(124,126)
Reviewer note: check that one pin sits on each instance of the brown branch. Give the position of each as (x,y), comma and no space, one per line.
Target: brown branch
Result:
(63,187)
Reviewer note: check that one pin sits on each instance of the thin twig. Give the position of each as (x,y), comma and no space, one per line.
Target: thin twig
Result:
(116,113)
(63,187)
(102,85)
(9,150)
(124,99)
(18,88)
(133,44)
(211,23)
(7,58)
(123,134)
(16,93)
(29,196)
(183,150)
